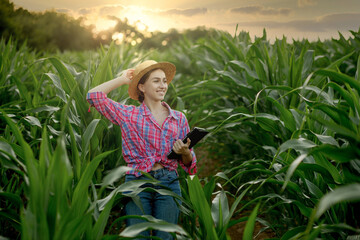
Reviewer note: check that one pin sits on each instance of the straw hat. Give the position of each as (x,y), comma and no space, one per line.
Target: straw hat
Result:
(146,66)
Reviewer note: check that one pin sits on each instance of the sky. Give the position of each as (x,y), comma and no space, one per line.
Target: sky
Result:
(295,19)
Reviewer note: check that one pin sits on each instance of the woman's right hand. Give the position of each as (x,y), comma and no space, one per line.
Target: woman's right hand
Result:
(128,75)
(125,78)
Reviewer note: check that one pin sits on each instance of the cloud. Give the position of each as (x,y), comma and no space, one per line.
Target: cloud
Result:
(85,11)
(63,10)
(110,10)
(186,12)
(261,10)
(340,20)
(331,22)
(248,9)
(304,3)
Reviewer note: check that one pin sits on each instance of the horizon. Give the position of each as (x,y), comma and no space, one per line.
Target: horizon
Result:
(294,19)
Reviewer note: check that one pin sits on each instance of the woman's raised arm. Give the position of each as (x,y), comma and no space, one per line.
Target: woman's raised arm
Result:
(108,86)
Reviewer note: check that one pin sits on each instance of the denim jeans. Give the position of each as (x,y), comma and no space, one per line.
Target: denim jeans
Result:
(159,206)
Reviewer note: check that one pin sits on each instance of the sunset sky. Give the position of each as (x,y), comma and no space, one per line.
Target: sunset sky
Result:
(311,19)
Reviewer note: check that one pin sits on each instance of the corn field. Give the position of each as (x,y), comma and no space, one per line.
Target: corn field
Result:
(285,135)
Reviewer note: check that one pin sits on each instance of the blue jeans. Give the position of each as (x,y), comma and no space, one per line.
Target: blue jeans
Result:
(159,206)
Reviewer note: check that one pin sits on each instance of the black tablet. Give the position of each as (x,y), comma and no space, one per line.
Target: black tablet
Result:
(195,136)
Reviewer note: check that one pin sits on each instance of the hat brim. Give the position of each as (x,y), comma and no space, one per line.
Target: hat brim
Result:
(168,68)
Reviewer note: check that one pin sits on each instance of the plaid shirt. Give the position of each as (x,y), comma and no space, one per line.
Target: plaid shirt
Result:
(144,142)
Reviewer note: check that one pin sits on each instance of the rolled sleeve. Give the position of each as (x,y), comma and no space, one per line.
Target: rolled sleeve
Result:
(192,168)
(112,110)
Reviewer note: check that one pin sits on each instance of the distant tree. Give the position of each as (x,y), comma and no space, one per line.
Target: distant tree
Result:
(44,31)
(172,36)
(7,27)
(199,32)
(53,31)
(123,32)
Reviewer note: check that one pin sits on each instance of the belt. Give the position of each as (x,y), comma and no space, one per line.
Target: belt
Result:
(158,172)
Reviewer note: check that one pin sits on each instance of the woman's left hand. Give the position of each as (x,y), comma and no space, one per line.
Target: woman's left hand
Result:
(182,148)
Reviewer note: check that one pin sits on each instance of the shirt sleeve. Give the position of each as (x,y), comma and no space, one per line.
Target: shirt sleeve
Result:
(112,110)
(191,169)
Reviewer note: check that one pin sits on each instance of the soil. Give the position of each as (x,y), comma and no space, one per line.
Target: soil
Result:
(236,232)
(208,166)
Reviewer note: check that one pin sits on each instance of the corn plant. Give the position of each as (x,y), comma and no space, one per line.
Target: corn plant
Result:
(288,122)
(284,122)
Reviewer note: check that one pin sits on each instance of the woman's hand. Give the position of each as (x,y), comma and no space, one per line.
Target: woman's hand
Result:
(182,148)
(126,76)
(106,87)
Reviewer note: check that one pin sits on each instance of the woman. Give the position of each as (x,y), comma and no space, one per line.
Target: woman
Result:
(149,132)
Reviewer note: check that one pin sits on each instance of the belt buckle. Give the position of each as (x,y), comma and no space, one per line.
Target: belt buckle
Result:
(154,172)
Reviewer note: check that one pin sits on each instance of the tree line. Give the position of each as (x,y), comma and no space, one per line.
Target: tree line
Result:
(52,31)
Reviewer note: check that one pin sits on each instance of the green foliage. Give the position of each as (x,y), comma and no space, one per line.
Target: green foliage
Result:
(279,120)
(48,31)
(284,120)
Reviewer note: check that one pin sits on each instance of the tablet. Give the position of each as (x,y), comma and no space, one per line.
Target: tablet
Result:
(195,136)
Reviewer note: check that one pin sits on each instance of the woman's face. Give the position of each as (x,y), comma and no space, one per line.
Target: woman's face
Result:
(155,87)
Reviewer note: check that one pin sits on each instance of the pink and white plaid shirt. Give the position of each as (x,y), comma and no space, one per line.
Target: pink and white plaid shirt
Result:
(144,142)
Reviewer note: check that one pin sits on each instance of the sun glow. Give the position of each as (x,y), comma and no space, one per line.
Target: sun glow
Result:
(140,17)
(100,23)
(144,19)
(118,37)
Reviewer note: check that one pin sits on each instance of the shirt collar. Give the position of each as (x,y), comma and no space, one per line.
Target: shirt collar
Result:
(146,111)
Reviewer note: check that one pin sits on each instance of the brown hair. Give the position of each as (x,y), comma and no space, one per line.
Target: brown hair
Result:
(142,80)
